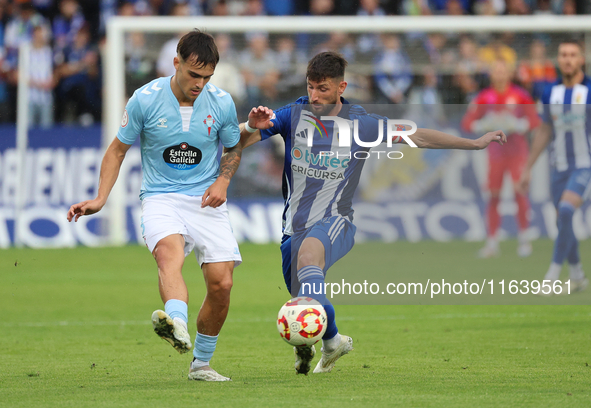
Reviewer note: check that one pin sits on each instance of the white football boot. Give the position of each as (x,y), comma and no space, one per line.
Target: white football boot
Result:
(328,360)
(578,282)
(524,247)
(578,285)
(173,331)
(303,358)
(205,373)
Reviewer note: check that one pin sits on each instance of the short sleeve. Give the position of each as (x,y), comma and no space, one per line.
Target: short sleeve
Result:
(229,133)
(132,122)
(281,124)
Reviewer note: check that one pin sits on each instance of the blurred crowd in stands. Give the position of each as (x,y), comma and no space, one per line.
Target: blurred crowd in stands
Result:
(67,38)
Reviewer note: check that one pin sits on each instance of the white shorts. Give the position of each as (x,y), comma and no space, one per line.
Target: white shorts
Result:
(206,230)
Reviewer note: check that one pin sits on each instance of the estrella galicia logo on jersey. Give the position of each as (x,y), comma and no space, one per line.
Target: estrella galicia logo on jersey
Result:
(209,121)
(182,156)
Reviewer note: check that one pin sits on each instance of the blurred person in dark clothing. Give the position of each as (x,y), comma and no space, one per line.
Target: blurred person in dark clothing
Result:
(79,79)
(66,24)
(537,71)
(259,68)
(392,70)
(291,66)
(6,107)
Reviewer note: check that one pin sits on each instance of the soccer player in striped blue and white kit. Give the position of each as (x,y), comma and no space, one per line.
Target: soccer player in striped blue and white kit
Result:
(566,106)
(181,120)
(318,190)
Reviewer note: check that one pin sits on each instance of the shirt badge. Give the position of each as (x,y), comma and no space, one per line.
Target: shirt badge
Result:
(209,121)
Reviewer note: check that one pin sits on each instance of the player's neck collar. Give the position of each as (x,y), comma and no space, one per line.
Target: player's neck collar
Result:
(583,80)
(174,97)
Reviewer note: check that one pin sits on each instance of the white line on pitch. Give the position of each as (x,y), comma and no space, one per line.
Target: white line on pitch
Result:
(261,320)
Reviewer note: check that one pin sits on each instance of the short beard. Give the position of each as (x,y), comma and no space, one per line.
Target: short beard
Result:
(325,109)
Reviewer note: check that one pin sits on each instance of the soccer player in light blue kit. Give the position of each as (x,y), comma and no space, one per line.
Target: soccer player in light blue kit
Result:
(181,120)
(566,107)
(318,190)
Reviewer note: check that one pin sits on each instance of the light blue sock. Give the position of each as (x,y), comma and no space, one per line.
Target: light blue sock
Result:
(312,284)
(566,236)
(204,347)
(177,308)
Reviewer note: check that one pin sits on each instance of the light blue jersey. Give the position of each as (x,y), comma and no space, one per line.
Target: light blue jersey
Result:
(179,155)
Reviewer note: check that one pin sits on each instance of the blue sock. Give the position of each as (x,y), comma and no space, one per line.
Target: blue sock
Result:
(573,255)
(204,347)
(331,328)
(177,308)
(312,285)
(566,236)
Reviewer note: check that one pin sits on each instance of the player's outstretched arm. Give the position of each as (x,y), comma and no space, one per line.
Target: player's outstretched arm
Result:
(434,139)
(541,139)
(216,194)
(258,118)
(109,172)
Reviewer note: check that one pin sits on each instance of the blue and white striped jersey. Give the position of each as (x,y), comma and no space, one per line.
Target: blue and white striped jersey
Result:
(316,185)
(566,109)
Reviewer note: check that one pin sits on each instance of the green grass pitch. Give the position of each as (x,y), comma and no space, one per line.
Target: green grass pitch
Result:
(75,332)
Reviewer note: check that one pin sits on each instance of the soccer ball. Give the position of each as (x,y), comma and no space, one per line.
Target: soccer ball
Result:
(301,321)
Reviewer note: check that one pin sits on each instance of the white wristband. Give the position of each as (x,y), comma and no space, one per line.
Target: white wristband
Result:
(248,128)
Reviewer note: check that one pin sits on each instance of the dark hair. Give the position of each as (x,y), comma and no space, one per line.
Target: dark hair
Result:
(326,65)
(27,6)
(200,46)
(573,41)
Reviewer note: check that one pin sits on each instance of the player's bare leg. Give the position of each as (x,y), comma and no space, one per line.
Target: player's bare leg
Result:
(170,257)
(312,254)
(491,248)
(524,247)
(211,318)
(213,313)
